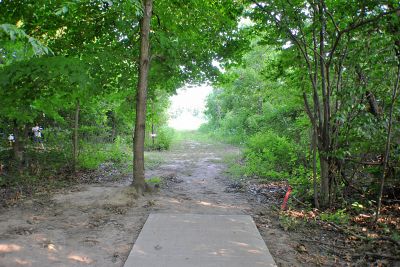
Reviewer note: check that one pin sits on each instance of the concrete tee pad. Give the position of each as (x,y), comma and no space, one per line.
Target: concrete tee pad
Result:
(186,240)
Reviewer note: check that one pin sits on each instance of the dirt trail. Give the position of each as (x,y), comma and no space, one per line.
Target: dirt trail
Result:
(96,225)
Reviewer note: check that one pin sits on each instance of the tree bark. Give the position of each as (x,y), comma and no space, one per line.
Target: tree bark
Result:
(324,190)
(75,137)
(373,104)
(152,123)
(325,131)
(140,123)
(17,145)
(314,165)
(388,138)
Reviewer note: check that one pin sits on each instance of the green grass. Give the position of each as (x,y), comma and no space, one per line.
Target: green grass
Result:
(93,154)
(153,159)
(155,180)
(339,216)
(194,136)
(235,170)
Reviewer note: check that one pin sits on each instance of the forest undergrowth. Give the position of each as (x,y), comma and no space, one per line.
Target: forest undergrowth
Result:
(348,234)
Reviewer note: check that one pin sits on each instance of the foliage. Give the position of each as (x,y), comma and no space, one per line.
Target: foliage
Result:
(339,216)
(155,180)
(289,223)
(162,141)
(258,107)
(336,57)
(269,155)
(57,75)
(153,159)
(94,154)
(324,67)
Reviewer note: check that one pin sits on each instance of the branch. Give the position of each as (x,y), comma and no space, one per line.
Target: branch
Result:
(333,20)
(387,239)
(307,105)
(352,27)
(324,243)
(347,231)
(362,23)
(376,255)
(361,237)
(363,162)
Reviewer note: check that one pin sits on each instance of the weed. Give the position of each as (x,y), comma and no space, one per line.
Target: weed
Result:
(339,217)
(289,223)
(155,180)
(152,160)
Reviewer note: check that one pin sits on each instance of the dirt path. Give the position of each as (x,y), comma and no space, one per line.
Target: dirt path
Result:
(96,225)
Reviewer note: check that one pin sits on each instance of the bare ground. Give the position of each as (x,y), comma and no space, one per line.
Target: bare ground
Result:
(97,224)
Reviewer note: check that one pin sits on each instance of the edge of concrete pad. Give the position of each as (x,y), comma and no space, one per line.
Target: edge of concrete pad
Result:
(175,240)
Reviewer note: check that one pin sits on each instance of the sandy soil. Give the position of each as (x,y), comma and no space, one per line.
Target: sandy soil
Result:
(96,225)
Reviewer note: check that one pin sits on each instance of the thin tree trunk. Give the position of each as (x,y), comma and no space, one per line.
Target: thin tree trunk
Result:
(75,136)
(373,104)
(314,151)
(325,136)
(17,146)
(324,190)
(152,123)
(387,148)
(140,123)
(114,127)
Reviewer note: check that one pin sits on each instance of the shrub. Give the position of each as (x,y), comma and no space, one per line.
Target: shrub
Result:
(339,217)
(155,180)
(92,155)
(289,223)
(162,141)
(269,155)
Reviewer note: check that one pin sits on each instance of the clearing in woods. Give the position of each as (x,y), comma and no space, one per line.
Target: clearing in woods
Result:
(97,224)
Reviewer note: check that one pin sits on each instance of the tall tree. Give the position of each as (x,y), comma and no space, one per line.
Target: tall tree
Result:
(141,96)
(321,32)
(183,46)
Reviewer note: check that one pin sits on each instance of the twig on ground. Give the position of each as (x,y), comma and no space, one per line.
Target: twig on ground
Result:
(324,243)
(298,201)
(387,239)
(376,255)
(364,238)
(347,231)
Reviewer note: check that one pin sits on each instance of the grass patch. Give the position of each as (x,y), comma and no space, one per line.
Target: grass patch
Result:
(194,136)
(155,180)
(92,155)
(153,159)
(289,223)
(338,217)
(235,168)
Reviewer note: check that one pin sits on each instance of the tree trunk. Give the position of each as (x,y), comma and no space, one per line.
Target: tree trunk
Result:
(152,133)
(324,190)
(325,132)
(114,127)
(75,137)
(388,137)
(314,151)
(152,124)
(140,123)
(373,104)
(17,146)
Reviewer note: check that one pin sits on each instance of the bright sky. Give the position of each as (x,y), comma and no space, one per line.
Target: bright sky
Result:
(187,107)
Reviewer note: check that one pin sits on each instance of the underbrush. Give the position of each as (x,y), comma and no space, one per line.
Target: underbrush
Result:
(49,167)
(269,155)
(92,155)
(152,159)
(162,141)
(198,136)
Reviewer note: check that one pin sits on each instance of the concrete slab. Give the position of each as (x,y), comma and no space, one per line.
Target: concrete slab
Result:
(193,240)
